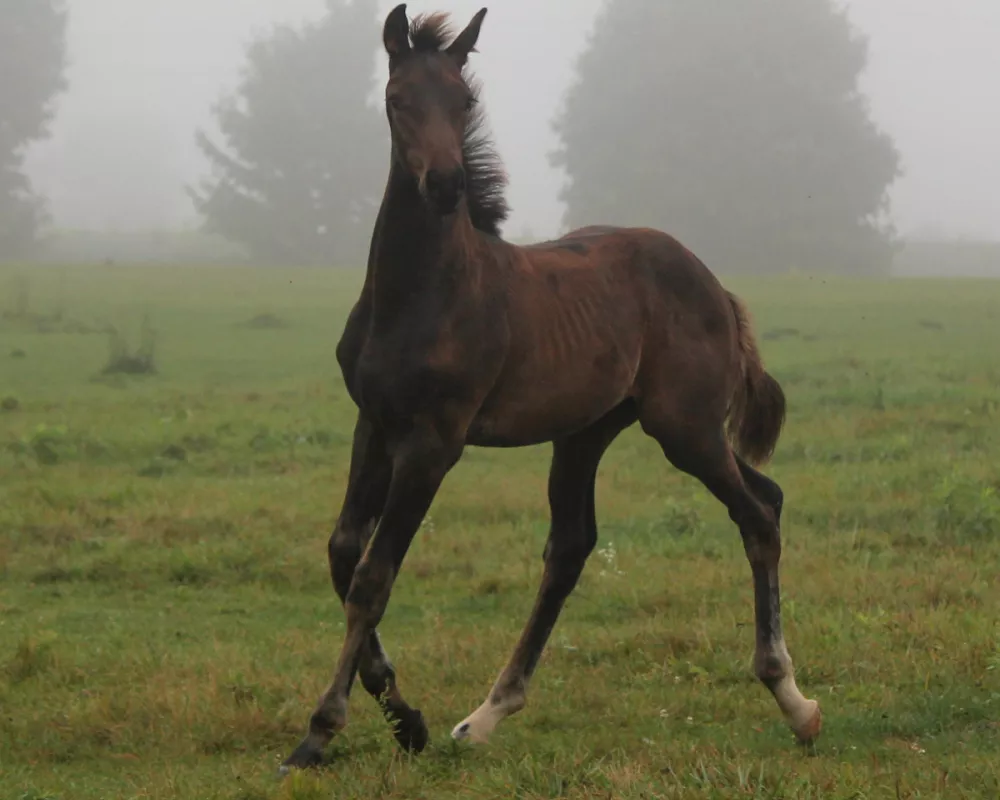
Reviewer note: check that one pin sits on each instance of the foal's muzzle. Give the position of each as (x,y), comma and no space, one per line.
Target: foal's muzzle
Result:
(444,190)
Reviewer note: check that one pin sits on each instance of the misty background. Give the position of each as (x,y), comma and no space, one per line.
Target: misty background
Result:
(143,77)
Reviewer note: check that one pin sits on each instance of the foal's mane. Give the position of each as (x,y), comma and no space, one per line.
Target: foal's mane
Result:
(485,176)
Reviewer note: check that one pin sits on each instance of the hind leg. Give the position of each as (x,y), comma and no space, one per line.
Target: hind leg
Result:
(572,536)
(772,662)
(754,504)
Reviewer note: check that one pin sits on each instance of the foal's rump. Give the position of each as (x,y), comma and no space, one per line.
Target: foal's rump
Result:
(700,359)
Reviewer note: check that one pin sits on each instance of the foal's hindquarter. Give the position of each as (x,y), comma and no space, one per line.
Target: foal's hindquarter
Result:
(569,342)
(631,317)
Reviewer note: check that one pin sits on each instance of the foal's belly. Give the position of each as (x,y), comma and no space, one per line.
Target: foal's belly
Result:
(537,402)
(490,429)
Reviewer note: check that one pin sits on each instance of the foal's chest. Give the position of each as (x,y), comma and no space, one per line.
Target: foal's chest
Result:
(398,377)
(435,355)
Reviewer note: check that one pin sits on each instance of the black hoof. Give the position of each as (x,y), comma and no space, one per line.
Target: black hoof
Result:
(410,730)
(305,756)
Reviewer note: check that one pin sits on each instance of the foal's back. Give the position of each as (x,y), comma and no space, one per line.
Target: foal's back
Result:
(639,284)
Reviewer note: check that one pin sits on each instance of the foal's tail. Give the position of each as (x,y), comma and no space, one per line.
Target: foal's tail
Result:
(757,409)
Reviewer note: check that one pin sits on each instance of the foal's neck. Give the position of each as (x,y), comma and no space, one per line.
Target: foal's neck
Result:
(413,249)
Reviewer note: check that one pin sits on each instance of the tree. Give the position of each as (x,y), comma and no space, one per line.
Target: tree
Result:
(737,126)
(305,165)
(32,69)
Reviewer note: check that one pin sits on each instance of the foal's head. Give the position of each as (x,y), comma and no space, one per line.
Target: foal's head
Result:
(429,103)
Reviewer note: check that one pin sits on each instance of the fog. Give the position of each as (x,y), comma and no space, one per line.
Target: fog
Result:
(143,76)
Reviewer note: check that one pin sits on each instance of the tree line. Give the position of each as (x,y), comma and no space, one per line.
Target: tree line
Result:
(743,133)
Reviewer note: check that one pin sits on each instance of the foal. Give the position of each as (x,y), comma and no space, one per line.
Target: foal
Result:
(459,338)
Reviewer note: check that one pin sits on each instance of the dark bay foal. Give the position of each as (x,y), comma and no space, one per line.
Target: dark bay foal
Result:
(459,338)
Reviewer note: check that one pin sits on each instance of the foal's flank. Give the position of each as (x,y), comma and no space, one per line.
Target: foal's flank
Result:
(461,338)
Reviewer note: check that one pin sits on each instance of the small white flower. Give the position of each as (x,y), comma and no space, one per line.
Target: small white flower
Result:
(610,557)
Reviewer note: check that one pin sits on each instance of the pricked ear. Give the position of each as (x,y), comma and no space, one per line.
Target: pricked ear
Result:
(396,33)
(465,42)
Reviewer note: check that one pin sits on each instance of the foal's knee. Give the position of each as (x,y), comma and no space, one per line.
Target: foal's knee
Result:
(564,562)
(342,546)
(567,550)
(343,551)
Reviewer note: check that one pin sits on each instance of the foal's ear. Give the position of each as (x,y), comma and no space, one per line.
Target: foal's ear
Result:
(396,33)
(465,42)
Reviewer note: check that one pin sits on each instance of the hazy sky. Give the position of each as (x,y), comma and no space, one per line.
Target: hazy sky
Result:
(144,74)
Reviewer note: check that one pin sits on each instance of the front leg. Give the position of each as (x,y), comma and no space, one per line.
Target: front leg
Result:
(419,465)
(367,489)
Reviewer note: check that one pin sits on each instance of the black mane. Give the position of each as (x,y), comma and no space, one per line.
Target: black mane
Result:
(485,176)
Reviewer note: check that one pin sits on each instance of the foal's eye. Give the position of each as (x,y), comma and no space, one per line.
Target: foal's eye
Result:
(469,103)
(395,103)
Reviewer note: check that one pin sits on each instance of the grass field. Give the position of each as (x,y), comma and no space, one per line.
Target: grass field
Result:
(166,619)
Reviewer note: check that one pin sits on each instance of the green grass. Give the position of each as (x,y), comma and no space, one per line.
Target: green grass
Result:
(166,620)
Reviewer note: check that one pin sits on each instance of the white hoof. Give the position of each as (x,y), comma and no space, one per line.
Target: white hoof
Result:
(468,730)
(809,723)
(479,725)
